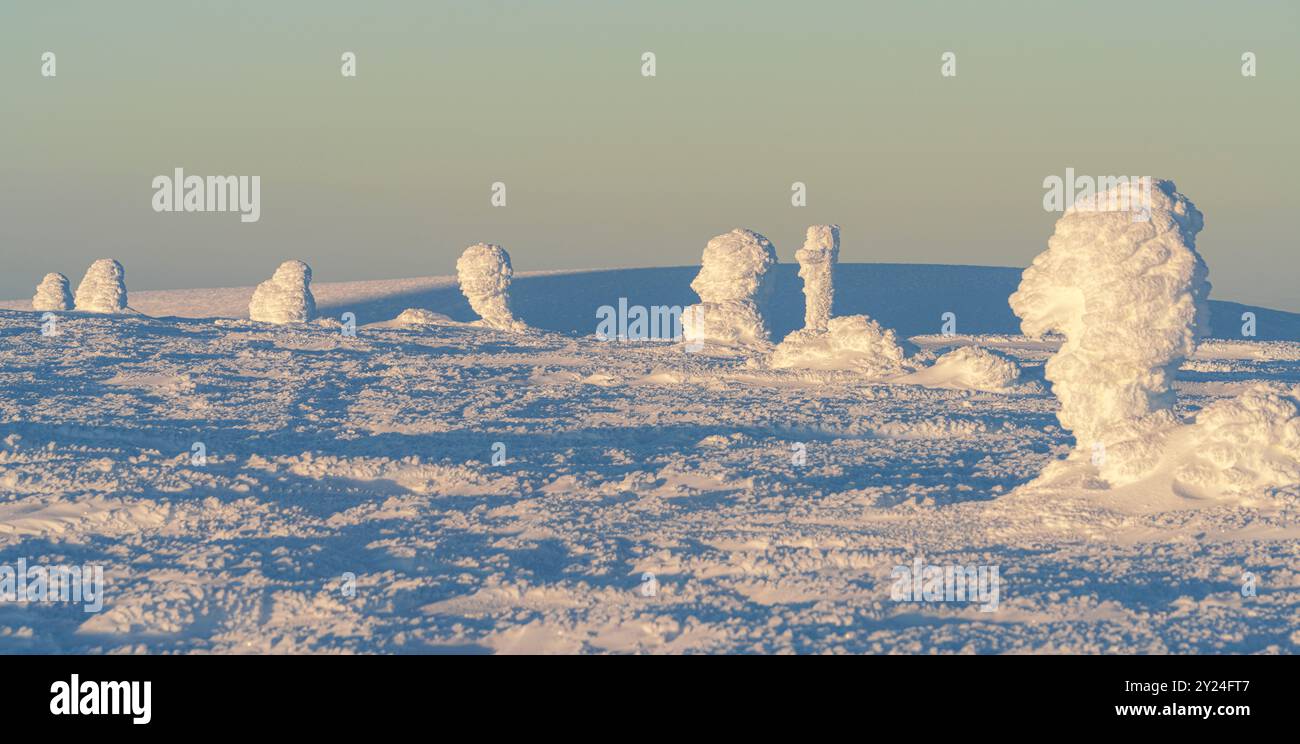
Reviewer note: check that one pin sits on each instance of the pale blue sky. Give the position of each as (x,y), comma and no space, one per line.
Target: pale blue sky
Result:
(388,174)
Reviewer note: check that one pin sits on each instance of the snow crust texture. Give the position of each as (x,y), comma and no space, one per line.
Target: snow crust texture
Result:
(1130,297)
(484,273)
(53,293)
(286,297)
(537,492)
(376,457)
(733,284)
(817,258)
(103,288)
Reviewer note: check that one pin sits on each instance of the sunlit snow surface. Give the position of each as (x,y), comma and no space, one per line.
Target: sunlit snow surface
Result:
(329,455)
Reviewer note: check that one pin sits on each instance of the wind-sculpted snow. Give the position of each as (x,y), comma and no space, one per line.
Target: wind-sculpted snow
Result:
(1238,447)
(418,316)
(971,368)
(374,459)
(733,284)
(1244,444)
(53,293)
(484,273)
(103,288)
(286,297)
(817,258)
(854,342)
(1129,295)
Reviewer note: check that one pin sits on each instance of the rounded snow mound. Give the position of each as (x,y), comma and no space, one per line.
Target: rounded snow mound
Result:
(1129,292)
(53,293)
(1244,444)
(484,274)
(418,316)
(851,342)
(103,288)
(286,297)
(1235,448)
(972,368)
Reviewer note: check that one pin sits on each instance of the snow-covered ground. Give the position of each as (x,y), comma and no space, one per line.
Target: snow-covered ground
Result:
(643,497)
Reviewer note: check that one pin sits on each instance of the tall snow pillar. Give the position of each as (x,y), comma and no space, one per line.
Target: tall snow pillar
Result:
(817,257)
(1130,297)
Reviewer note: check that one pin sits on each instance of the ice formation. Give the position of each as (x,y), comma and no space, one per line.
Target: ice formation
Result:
(732,285)
(286,297)
(484,273)
(853,342)
(1130,298)
(817,257)
(53,293)
(103,288)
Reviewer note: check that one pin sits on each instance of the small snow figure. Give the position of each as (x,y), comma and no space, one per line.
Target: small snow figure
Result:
(484,273)
(53,293)
(1131,300)
(103,288)
(732,285)
(817,257)
(286,297)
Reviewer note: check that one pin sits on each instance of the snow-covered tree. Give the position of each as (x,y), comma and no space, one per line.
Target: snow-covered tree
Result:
(853,342)
(484,273)
(103,288)
(286,297)
(1130,297)
(53,293)
(817,258)
(733,284)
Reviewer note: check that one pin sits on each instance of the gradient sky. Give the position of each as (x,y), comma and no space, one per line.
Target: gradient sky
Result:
(388,174)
